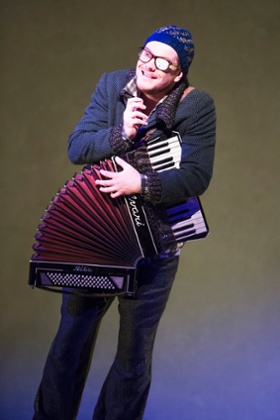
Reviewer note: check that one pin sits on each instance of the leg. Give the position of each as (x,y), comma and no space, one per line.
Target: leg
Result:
(125,390)
(69,358)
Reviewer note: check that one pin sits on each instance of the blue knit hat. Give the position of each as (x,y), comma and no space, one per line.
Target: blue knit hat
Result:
(180,40)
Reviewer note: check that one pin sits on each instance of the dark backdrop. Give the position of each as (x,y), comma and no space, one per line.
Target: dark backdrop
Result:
(217,349)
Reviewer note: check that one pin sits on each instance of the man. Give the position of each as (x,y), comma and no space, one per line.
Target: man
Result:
(154,99)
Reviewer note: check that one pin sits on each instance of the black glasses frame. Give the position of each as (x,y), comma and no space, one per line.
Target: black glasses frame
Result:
(159,61)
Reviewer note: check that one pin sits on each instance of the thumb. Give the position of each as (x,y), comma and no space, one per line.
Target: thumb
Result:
(121,162)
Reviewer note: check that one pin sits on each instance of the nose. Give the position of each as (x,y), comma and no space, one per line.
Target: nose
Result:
(151,64)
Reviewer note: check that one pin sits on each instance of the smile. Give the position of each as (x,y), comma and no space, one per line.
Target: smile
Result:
(148,75)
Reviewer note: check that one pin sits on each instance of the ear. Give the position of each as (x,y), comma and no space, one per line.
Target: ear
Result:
(178,77)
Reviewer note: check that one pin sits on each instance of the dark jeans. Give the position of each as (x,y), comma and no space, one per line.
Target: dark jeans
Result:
(125,390)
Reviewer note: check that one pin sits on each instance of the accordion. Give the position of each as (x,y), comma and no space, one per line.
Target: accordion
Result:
(89,243)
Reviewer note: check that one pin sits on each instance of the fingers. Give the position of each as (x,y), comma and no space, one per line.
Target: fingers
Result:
(111,186)
(125,182)
(108,186)
(135,103)
(134,116)
(135,106)
(122,163)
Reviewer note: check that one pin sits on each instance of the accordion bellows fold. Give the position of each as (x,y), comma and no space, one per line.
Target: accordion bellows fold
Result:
(84,225)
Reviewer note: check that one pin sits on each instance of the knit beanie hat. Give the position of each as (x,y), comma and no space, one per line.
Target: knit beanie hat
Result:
(180,40)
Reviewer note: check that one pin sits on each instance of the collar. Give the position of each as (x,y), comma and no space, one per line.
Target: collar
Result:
(131,90)
(166,108)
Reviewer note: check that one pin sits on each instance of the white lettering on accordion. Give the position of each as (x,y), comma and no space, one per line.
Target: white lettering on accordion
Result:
(134,210)
(82,268)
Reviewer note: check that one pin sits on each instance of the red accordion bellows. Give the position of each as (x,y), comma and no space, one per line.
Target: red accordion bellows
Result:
(84,225)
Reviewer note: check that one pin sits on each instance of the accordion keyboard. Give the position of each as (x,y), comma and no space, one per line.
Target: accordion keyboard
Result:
(187,219)
(164,154)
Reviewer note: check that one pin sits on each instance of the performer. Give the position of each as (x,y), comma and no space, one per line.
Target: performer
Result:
(153,99)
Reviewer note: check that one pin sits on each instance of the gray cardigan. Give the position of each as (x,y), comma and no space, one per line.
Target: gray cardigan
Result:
(99,135)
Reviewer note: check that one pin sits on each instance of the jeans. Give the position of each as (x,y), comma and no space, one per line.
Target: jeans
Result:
(125,390)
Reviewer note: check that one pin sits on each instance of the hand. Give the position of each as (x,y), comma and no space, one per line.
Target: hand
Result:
(133,117)
(126,182)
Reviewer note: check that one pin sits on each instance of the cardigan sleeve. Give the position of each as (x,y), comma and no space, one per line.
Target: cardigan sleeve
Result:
(98,134)
(196,122)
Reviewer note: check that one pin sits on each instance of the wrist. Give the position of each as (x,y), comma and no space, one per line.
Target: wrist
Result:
(144,184)
(126,136)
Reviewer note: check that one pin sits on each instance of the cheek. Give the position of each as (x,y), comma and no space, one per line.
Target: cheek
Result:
(139,77)
(139,69)
(166,80)
(140,66)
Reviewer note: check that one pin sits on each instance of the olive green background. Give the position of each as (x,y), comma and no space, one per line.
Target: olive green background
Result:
(217,355)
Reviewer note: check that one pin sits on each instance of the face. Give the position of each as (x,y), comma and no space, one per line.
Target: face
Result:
(155,83)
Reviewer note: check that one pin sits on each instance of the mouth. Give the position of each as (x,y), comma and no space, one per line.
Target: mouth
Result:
(148,75)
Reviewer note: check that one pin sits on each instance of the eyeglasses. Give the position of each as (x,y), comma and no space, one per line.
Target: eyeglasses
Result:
(161,63)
